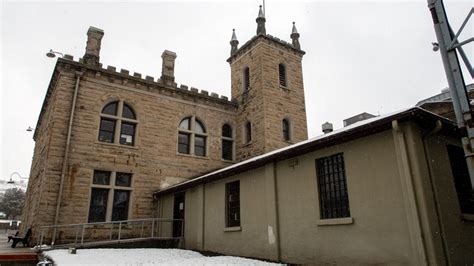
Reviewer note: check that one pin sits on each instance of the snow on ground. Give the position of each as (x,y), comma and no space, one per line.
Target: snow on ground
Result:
(142,257)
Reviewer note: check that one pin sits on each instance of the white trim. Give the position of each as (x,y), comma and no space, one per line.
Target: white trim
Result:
(336,221)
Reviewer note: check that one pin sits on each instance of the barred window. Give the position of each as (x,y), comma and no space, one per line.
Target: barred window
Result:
(227,143)
(246,78)
(333,196)
(192,137)
(117,123)
(233,204)
(282,74)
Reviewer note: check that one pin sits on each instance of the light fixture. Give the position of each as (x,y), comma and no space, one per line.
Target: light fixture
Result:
(52,54)
(30,129)
(11,177)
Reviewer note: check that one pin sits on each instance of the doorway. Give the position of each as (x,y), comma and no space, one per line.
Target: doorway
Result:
(178,213)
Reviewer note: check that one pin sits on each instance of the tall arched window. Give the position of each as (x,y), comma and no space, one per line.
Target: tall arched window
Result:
(286,129)
(227,143)
(246,78)
(282,75)
(118,123)
(248,132)
(192,137)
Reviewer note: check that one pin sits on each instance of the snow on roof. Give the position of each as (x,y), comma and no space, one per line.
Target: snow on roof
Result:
(317,138)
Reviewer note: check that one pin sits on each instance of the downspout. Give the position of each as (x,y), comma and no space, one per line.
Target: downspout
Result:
(203,215)
(277,220)
(435,130)
(409,193)
(66,153)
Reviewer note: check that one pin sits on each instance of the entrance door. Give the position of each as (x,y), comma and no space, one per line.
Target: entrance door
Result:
(178,213)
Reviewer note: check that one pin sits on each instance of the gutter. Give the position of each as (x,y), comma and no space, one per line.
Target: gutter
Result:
(66,153)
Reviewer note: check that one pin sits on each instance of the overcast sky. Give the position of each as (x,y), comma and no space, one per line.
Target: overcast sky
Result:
(361,56)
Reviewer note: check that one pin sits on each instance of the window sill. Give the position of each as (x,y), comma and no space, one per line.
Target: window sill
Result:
(193,156)
(336,221)
(233,229)
(467,217)
(116,145)
(247,144)
(285,88)
(227,161)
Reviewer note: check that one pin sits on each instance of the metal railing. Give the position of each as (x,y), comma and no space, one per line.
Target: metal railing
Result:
(90,234)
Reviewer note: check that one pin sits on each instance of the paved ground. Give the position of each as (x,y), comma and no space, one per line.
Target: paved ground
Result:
(18,256)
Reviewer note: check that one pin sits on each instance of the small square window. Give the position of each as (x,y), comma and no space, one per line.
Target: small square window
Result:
(101,177)
(123,179)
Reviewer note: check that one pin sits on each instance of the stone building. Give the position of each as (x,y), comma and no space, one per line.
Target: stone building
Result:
(106,139)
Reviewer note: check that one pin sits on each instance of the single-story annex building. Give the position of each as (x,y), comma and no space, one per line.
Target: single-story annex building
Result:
(388,190)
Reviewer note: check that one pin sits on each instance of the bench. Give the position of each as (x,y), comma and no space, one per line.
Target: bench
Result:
(25,239)
(10,237)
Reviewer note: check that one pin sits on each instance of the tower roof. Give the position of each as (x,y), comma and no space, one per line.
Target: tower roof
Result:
(234,37)
(293,30)
(261,14)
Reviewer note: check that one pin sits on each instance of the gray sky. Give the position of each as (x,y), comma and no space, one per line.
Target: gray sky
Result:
(361,56)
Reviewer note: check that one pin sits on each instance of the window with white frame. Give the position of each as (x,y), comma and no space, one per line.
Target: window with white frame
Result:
(110,196)
(118,124)
(192,137)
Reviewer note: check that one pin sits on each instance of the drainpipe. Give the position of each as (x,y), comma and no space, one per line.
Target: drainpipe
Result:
(277,220)
(203,216)
(409,194)
(435,130)
(66,154)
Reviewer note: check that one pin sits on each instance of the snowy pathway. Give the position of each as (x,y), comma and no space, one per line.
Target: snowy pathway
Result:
(142,257)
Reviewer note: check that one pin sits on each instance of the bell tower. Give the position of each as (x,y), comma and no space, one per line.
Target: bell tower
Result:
(267,84)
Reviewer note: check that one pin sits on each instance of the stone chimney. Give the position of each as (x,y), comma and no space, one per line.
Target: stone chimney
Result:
(327,128)
(94,38)
(167,69)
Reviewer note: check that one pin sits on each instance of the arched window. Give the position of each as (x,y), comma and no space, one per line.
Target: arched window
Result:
(286,129)
(248,132)
(227,143)
(282,75)
(118,122)
(192,137)
(246,78)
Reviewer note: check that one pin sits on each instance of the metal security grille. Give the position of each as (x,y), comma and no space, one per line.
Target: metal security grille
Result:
(282,72)
(233,203)
(333,198)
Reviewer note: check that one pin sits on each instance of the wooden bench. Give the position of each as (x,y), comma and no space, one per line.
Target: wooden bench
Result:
(25,239)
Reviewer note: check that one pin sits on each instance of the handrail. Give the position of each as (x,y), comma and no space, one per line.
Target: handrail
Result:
(148,228)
